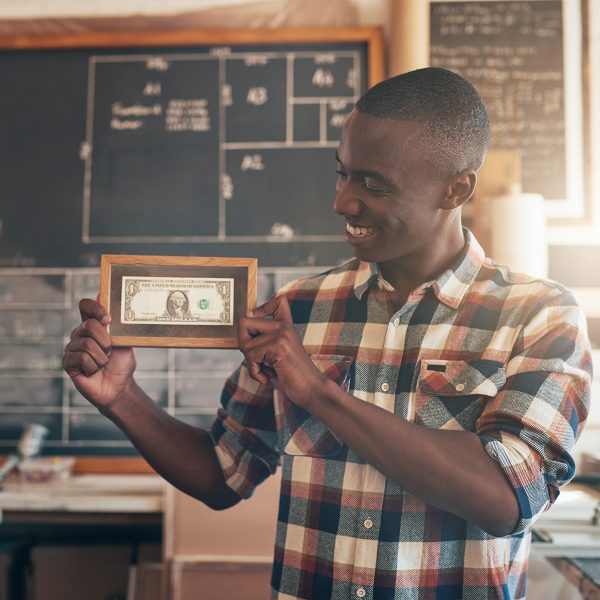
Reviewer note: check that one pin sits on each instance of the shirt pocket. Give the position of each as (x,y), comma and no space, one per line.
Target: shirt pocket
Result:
(451,394)
(301,433)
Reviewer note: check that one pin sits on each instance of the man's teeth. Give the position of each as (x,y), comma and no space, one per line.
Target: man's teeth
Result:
(359,231)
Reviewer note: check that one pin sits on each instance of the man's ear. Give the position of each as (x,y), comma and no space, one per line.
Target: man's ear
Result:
(459,189)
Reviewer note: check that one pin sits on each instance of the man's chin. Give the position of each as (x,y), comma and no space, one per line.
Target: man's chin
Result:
(365,255)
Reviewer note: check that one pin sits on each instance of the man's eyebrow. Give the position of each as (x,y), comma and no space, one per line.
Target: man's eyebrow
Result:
(366,172)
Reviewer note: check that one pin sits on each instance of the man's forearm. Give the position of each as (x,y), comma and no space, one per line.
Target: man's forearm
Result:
(182,454)
(448,469)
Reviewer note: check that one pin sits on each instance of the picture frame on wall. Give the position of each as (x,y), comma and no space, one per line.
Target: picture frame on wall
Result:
(176,301)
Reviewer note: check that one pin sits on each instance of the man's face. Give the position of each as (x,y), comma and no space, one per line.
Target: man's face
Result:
(386,190)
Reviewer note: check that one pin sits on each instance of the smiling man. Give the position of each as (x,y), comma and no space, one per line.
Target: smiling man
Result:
(421,400)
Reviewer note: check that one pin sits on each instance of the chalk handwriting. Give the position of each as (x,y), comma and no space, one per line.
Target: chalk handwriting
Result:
(252,162)
(351,78)
(126,125)
(338,120)
(226,186)
(152,88)
(157,63)
(325,59)
(136,110)
(220,51)
(187,115)
(85,150)
(226,97)
(322,78)
(256,60)
(282,230)
(257,96)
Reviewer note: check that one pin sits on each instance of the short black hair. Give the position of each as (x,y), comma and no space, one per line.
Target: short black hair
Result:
(456,128)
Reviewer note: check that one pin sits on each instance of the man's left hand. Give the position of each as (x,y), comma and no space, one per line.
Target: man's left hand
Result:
(274,351)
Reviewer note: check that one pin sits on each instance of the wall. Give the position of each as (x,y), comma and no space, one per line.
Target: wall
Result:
(37,15)
(161,369)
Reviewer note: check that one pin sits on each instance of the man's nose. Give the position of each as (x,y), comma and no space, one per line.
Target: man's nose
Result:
(346,202)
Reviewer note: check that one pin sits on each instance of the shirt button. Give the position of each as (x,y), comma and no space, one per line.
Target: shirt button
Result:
(361,592)
(368,523)
(385,387)
(459,387)
(396,322)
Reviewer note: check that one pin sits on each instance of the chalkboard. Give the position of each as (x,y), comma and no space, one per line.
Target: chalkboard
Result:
(182,143)
(514,53)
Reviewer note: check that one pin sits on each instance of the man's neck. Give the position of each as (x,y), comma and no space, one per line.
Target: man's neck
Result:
(408,273)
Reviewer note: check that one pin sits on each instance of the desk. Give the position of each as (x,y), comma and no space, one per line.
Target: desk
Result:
(107,494)
(84,511)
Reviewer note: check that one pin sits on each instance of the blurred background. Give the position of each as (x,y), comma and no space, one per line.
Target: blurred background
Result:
(124,130)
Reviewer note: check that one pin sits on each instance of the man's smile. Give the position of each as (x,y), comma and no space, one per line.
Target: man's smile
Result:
(359,231)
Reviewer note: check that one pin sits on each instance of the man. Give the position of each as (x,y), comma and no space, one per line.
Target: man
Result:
(421,400)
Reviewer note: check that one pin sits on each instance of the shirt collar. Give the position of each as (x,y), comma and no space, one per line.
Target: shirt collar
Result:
(367,275)
(450,287)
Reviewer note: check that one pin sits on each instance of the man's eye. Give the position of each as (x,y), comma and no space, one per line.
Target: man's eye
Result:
(341,174)
(373,186)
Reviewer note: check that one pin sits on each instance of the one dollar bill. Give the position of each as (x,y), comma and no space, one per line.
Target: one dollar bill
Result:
(177,301)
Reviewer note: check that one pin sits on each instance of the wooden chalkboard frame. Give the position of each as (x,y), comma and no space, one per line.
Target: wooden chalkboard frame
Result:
(371,36)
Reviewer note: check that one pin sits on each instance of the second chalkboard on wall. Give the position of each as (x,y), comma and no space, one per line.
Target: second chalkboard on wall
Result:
(519,56)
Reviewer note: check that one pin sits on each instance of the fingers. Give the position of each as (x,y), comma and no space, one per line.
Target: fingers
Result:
(83,359)
(255,337)
(90,347)
(91,309)
(90,344)
(255,371)
(260,357)
(277,307)
(260,331)
(252,327)
(84,355)
(254,366)
(91,328)
(269,317)
(256,349)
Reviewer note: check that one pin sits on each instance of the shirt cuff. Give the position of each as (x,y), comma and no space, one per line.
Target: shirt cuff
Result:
(243,468)
(523,470)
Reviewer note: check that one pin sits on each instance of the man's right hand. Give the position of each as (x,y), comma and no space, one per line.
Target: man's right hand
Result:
(104,374)
(99,371)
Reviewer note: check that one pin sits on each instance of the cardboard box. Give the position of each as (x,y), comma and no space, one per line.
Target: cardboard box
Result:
(74,572)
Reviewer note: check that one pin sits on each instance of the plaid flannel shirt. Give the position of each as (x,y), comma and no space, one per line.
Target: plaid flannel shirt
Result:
(479,349)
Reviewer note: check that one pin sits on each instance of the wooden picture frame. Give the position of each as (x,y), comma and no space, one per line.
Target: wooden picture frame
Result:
(190,302)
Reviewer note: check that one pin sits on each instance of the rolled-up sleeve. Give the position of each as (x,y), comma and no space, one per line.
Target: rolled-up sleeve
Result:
(245,433)
(530,427)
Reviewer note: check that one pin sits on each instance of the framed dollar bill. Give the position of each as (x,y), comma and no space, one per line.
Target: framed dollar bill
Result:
(176,301)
